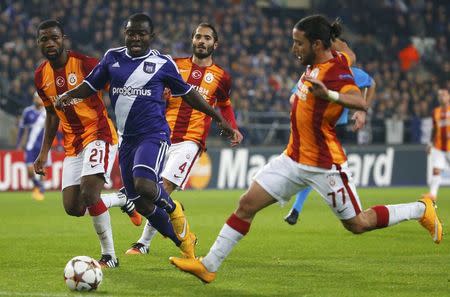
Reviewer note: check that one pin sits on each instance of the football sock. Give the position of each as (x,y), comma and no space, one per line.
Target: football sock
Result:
(233,231)
(435,182)
(163,199)
(388,215)
(102,224)
(147,234)
(38,184)
(300,200)
(113,200)
(159,219)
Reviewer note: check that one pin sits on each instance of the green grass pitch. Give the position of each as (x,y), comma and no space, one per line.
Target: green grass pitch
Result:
(316,257)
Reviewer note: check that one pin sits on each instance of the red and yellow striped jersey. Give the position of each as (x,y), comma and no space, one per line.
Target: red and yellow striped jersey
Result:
(441,127)
(214,84)
(83,121)
(313,140)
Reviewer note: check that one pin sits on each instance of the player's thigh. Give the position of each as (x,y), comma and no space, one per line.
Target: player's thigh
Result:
(338,190)
(180,159)
(438,159)
(71,172)
(98,160)
(253,200)
(280,178)
(149,159)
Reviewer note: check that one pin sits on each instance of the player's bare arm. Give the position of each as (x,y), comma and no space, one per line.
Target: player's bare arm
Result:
(351,99)
(82,91)
(196,101)
(51,127)
(341,46)
(360,116)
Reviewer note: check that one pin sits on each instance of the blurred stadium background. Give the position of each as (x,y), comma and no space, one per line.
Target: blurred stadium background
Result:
(403,44)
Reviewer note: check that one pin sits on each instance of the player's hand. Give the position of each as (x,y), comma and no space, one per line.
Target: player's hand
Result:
(39,164)
(237,138)
(360,120)
(62,101)
(225,129)
(317,88)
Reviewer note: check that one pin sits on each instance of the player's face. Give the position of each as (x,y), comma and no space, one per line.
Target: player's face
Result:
(137,38)
(51,43)
(302,48)
(444,97)
(203,44)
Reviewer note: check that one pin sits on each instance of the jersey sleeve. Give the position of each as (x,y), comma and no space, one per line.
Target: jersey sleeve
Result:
(339,78)
(39,85)
(223,91)
(173,80)
(98,77)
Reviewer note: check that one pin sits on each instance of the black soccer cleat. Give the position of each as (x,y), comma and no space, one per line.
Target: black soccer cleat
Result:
(107,261)
(292,217)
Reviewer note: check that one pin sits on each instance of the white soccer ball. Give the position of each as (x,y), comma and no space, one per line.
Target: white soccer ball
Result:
(83,273)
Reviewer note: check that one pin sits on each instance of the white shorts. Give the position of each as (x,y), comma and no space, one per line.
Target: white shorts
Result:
(282,178)
(97,157)
(440,159)
(180,159)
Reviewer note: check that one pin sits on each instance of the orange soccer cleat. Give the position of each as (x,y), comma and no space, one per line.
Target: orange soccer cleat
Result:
(195,267)
(430,220)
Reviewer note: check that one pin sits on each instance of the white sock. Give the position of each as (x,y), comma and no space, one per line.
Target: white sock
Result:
(405,212)
(435,182)
(102,225)
(147,234)
(227,239)
(113,200)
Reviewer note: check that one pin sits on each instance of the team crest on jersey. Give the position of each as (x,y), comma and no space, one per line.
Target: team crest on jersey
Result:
(196,74)
(209,77)
(72,79)
(60,81)
(149,67)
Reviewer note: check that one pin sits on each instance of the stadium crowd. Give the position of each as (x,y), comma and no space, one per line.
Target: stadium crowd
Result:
(402,44)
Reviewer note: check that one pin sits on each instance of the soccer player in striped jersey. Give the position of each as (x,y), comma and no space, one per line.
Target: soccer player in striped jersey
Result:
(190,127)
(32,124)
(90,139)
(314,156)
(440,146)
(367,85)
(137,76)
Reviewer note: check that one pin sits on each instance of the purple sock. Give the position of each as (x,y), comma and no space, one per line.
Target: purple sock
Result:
(37,183)
(163,199)
(160,220)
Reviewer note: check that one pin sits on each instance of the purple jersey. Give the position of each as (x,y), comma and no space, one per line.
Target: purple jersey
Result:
(136,86)
(32,119)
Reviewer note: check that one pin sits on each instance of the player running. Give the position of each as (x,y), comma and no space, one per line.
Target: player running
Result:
(90,139)
(32,124)
(190,127)
(137,76)
(313,157)
(440,146)
(367,86)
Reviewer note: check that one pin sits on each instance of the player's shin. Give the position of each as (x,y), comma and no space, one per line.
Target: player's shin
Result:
(234,230)
(159,219)
(435,182)
(163,199)
(102,224)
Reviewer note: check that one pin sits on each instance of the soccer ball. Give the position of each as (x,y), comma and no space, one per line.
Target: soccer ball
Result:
(82,273)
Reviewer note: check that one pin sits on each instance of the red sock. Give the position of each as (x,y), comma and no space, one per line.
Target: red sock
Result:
(97,209)
(238,224)
(382,215)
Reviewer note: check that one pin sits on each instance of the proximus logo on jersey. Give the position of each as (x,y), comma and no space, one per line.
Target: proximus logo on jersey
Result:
(129,91)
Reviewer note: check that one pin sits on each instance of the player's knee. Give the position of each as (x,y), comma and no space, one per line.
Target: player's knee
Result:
(146,188)
(355,228)
(75,211)
(246,207)
(436,171)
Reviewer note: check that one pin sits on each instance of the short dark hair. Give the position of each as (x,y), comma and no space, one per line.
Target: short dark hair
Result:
(49,24)
(317,27)
(207,25)
(141,17)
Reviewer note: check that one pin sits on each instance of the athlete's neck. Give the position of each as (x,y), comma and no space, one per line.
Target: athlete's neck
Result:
(61,61)
(205,62)
(322,57)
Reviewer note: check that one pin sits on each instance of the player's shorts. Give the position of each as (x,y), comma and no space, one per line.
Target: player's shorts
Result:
(440,159)
(282,178)
(180,159)
(31,156)
(97,157)
(142,159)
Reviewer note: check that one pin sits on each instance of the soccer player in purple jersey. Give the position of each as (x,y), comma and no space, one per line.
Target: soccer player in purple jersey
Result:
(137,76)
